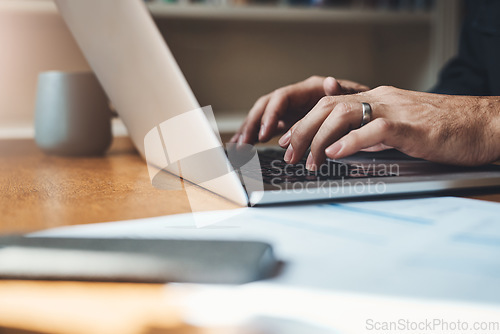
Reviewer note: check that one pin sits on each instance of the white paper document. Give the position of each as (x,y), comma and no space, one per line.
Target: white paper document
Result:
(439,248)
(268,308)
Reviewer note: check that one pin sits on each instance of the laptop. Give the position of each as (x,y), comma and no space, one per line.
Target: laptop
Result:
(174,134)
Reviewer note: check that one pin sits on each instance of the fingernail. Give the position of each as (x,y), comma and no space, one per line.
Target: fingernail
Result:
(262,131)
(332,150)
(288,154)
(310,163)
(285,139)
(240,140)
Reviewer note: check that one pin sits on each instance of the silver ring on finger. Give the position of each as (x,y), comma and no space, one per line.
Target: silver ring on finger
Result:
(367,113)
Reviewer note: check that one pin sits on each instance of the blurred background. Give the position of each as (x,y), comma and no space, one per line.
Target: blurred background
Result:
(233,51)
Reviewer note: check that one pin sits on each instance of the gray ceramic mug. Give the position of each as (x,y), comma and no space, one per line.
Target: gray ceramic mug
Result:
(72,114)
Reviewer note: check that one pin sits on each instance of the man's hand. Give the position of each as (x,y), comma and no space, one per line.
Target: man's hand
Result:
(461,130)
(274,113)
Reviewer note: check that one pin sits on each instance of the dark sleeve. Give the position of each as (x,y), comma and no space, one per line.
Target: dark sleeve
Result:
(476,69)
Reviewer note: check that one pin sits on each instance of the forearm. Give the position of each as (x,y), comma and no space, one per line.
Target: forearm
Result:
(492,112)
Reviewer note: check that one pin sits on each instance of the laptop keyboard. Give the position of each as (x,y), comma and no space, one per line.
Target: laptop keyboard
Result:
(275,170)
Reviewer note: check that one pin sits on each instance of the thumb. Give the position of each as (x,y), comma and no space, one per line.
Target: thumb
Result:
(331,86)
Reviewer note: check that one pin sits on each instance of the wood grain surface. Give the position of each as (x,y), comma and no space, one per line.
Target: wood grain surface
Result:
(39,191)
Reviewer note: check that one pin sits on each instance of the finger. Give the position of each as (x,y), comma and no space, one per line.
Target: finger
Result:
(351,87)
(284,141)
(275,108)
(331,86)
(282,126)
(345,117)
(249,133)
(237,136)
(303,131)
(234,138)
(378,131)
(290,103)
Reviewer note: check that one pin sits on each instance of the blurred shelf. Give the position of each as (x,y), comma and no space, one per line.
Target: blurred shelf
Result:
(35,6)
(283,13)
(27,130)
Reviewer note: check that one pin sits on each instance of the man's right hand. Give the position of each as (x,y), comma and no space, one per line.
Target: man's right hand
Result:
(276,112)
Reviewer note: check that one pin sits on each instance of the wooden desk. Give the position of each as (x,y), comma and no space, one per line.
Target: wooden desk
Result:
(39,191)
